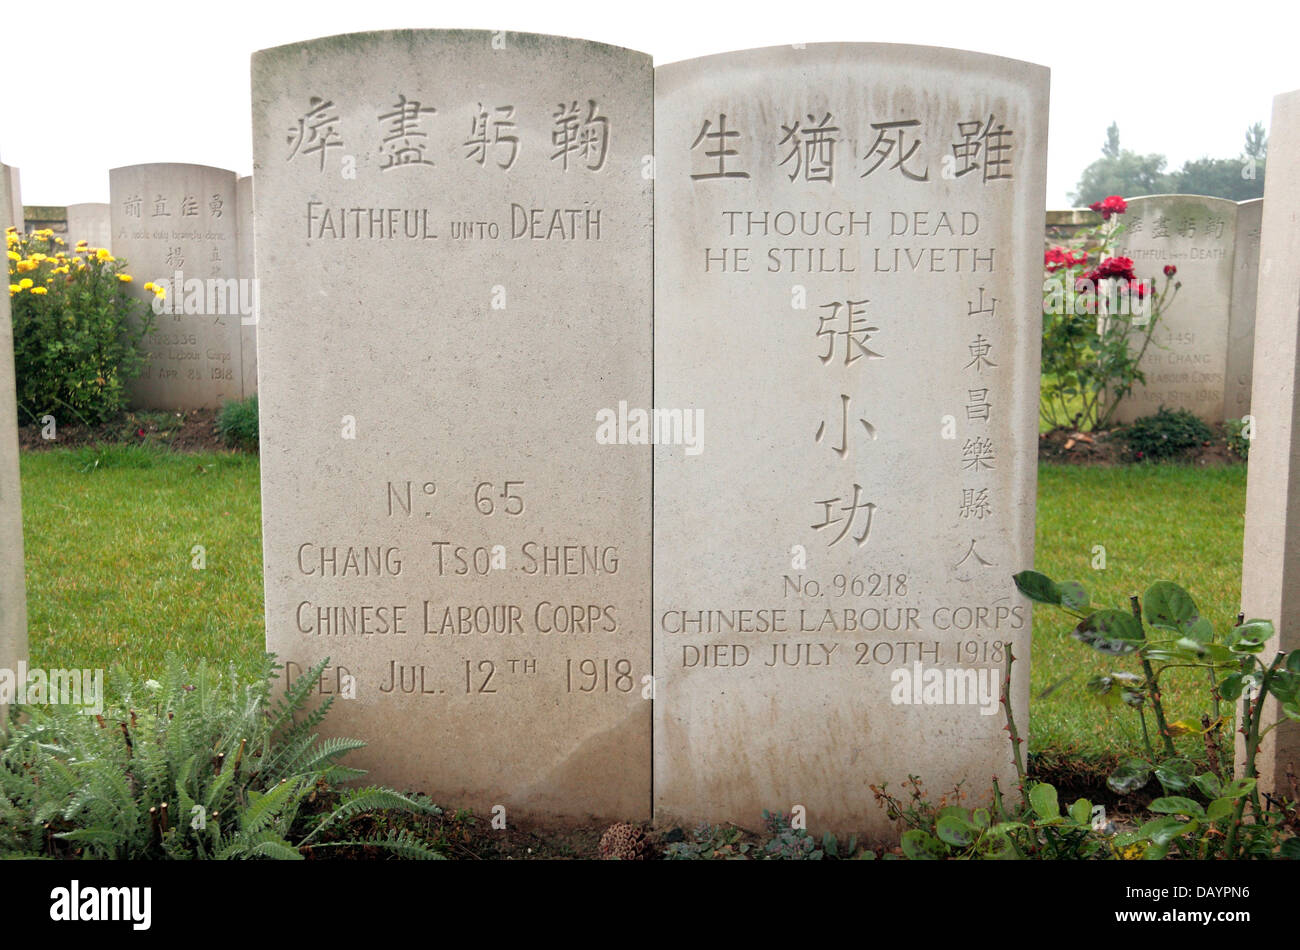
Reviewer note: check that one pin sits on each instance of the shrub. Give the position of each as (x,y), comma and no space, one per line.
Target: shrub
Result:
(1238,440)
(237,423)
(77,331)
(1099,315)
(195,766)
(1167,434)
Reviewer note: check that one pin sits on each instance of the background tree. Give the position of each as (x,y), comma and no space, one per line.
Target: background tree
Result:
(1123,172)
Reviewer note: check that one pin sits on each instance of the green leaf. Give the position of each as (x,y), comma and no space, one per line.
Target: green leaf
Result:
(1175,775)
(1073,595)
(1293,661)
(1131,775)
(921,846)
(1110,631)
(1081,812)
(1291,849)
(955,831)
(1168,605)
(1209,784)
(1230,688)
(1239,787)
(1200,630)
(1177,805)
(1161,831)
(1250,637)
(1219,809)
(1044,801)
(1038,587)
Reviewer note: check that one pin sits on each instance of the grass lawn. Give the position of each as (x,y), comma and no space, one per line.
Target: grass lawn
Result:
(110,533)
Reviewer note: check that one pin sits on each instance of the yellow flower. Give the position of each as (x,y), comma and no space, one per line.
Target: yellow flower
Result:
(58,240)
(38,290)
(149,285)
(125,278)
(160,292)
(13,289)
(39,257)
(15,256)
(12,229)
(102,255)
(25,283)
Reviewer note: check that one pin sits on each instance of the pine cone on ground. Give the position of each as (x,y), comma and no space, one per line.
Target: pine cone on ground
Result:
(624,842)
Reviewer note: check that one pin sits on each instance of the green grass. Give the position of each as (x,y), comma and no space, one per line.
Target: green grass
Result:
(109,579)
(1156,522)
(108,534)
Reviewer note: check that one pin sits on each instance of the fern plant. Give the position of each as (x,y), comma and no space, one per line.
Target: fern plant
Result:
(198,765)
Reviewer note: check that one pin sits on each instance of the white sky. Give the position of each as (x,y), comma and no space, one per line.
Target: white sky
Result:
(91,86)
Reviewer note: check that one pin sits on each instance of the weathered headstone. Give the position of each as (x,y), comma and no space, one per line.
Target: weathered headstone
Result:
(177,224)
(13,209)
(1186,361)
(91,223)
(13,598)
(1241,319)
(848,254)
(248,328)
(454,251)
(1270,577)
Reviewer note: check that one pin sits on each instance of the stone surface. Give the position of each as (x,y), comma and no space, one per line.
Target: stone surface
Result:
(173,219)
(248,322)
(13,209)
(450,296)
(13,598)
(1270,581)
(1241,318)
(858,325)
(91,223)
(1186,362)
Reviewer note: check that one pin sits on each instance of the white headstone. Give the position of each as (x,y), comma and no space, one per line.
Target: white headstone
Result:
(90,223)
(1186,362)
(454,251)
(848,255)
(1241,321)
(13,597)
(248,327)
(177,224)
(1270,576)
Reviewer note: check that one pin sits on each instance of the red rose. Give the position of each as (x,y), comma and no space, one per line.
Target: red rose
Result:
(1138,287)
(1112,205)
(1120,267)
(1170,270)
(1057,257)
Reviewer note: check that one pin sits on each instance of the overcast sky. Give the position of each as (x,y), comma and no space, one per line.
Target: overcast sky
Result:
(91,86)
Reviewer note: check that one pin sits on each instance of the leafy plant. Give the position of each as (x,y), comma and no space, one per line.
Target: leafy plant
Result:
(1238,440)
(77,332)
(710,842)
(1162,632)
(1166,434)
(1098,320)
(195,766)
(788,843)
(237,423)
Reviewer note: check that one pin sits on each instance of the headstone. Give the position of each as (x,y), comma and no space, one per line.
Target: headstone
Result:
(454,251)
(1186,361)
(248,322)
(177,224)
(91,223)
(1270,577)
(1241,319)
(13,598)
(14,203)
(848,259)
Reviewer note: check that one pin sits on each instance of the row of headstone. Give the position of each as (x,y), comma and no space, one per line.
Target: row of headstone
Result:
(90,222)
(456,254)
(1199,357)
(178,227)
(13,598)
